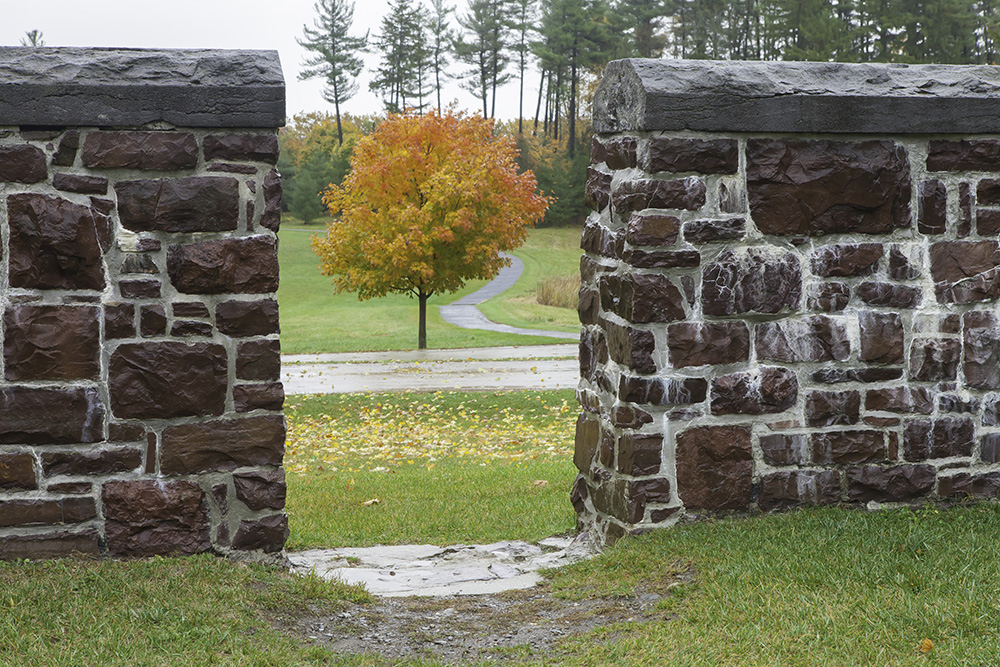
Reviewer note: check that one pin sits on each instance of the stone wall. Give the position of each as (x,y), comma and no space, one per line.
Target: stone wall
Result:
(790,288)
(140,402)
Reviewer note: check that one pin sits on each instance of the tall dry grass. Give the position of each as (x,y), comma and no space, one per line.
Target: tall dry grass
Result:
(558,291)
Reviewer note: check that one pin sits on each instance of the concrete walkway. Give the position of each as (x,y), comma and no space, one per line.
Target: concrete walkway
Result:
(465,314)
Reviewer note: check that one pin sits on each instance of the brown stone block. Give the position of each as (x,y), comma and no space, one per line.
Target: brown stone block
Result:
(589,306)
(652,229)
(780,449)
(87,185)
(241,146)
(876,374)
(125,432)
(663,259)
(702,343)
(893,484)
(268,534)
(639,454)
(261,489)
(247,318)
(50,545)
(685,193)
(191,309)
(964,155)
(167,379)
(934,359)
(139,263)
(22,164)
(258,360)
(705,156)
(99,462)
(989,448)
(631,347)
(51,342)
(900,399)
(54,244)
(763,391)
(629,416)
(889,295)
(140,150)
(957,404)
(966,485)
(932,212)
(17,472)
(642,298)
(270,218)
(190,328)
(119,320)
(65,155)
(813,338)
(657,391)
(966,271)
(598,239)
(785,490)
(70,488)
(713,231)
(152,321)
(987,222)
(620,152)
(194,204)
(751,280)
(982,353)
(42,416)
(29,512)
(597,190)
(714,467)
(938,438)
(588,439)
(598,152)
(842,261)
(848,447)
(881,337)
(222,445)
(829,297)
(833,408)
(988,192)
(249,397)
(139,289)
(236,266)
(827,187)
(155,517)
(900,265)
(229,168)
(964,226)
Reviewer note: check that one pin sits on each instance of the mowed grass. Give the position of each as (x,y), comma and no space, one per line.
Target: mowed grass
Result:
(314,319)
(828,586)
(442,467)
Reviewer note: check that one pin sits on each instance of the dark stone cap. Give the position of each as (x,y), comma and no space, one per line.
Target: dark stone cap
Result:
(133,87)
(742,96)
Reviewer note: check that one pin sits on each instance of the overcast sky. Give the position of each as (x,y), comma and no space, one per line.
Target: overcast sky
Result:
(222,24)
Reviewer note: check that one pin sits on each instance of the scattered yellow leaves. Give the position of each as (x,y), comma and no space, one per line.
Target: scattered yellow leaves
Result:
(373,501)
(925,646)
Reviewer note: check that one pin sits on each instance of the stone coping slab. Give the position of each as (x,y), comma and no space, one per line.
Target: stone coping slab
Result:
(844,98)
(110,87)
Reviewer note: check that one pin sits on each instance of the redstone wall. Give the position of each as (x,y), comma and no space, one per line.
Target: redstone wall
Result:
(140,402)
(790,289)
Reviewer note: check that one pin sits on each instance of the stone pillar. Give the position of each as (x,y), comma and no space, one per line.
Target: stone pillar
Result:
(140,401)
(790,288)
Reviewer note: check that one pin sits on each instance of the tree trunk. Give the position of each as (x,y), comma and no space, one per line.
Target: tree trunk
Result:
(538,106)
(422,326)
(572,107)
(336,107)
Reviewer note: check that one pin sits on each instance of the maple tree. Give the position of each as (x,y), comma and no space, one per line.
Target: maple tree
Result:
(430,202)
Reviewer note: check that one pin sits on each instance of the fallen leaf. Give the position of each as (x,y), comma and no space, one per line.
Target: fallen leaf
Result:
(373,501)
(540,482)
(925,646)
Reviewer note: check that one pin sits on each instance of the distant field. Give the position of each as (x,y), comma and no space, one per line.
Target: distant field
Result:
(314,319)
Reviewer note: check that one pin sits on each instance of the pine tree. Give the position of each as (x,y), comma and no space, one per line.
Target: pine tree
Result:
(399,78)
(336,53)
(441,36)
(483,47)
(643,21)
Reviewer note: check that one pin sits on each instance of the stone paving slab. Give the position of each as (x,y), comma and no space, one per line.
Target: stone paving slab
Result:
(428,570)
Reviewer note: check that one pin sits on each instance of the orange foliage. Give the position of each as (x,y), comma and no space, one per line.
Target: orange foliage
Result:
(429,203)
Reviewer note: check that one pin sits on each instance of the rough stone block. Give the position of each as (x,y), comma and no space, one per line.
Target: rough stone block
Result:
(889,295)
(43,416)
(807,339)
(876,374)
(938,438)
(685,193)
(17,472)
(987,222)
(65,154)
(51,342)
(846,260)
(963,155)
(848,447)
(966,271)
(780,449)
(989,448)
(139,289)
(892,484)
(263,489)
(166,151)
(712,231)
(833,408)
(829,297)
(765,390)
(881,337)
(932,213)
(235,266)
(631,347)
(629,416)
(904,399)
(714,467)
(964,485)
(652,229)
(119,320)
(54,243)
(664,259)
(642,298)
(223,444)
(756,279)
(190,328)
(662,391)
(152,321)
(29,512)
(247,318)
(94,462)
(164,380)
(155,517)
(705,156)
(827,187)
(902,266)
(241,146)
(79,183)
(982,351)
(190,309)
(194,204)
(268,534)
(43,546)
(639,454)
(620,152)
(702,343)
(22,164)
(597,190)
(587,442)
(258,360)
(248,397)
(786,490)
(935,359)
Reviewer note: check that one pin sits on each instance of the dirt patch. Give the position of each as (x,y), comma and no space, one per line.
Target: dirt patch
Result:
(509,628)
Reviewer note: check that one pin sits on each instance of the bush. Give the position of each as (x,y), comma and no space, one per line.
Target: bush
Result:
(558,291)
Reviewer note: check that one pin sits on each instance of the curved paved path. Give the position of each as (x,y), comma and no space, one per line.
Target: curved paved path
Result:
(464,313)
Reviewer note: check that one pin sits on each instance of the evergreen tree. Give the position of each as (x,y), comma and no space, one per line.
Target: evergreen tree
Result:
(643,21)
(483,47)
(399,77)
(335,52)
(441,36)
(525,16)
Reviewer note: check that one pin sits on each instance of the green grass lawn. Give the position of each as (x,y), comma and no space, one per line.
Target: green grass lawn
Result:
(314,319)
